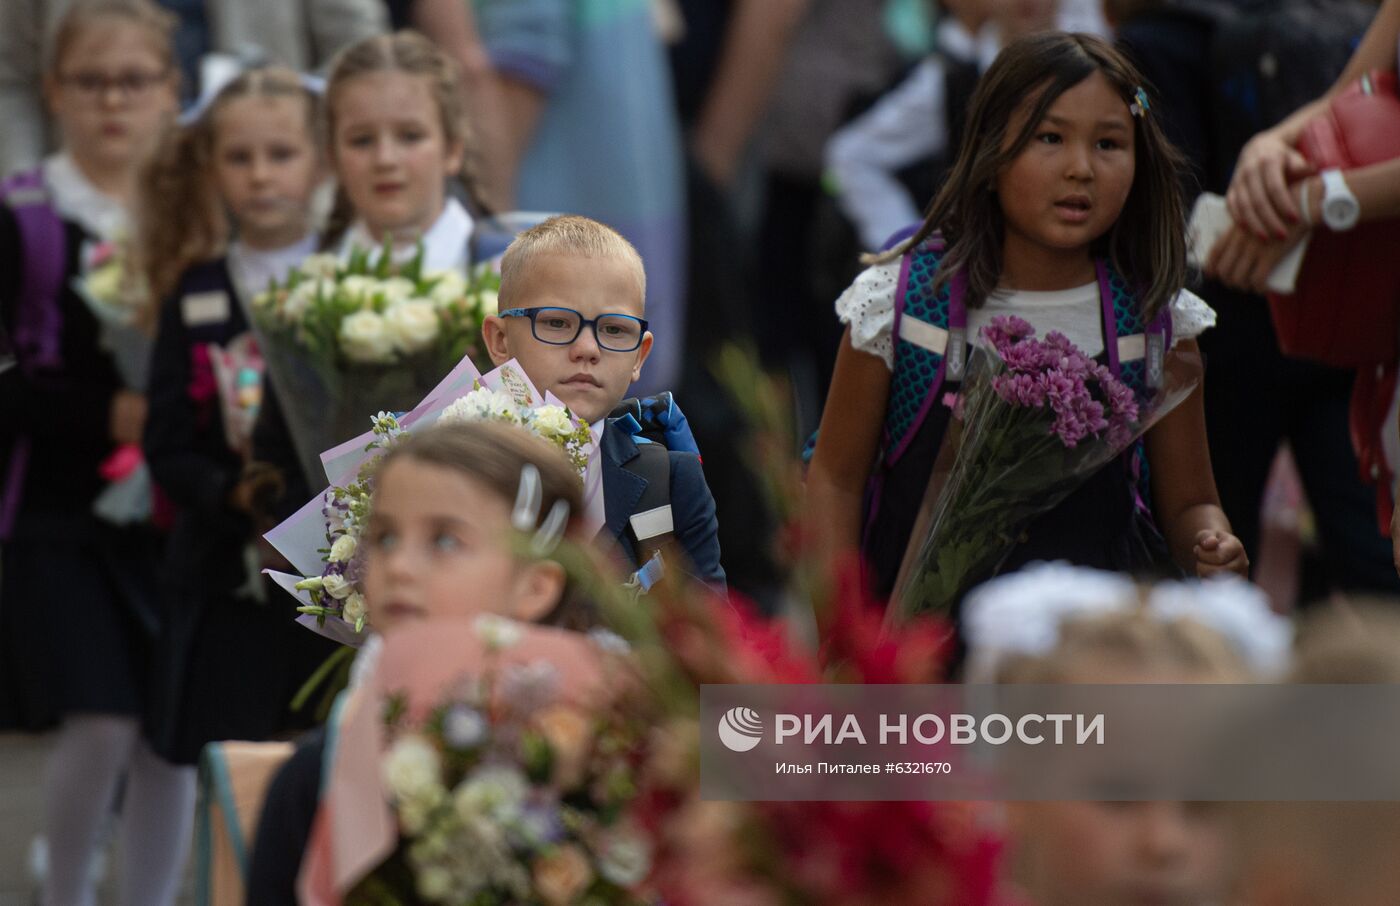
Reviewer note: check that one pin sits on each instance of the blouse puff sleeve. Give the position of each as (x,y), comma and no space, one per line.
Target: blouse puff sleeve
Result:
(867,308)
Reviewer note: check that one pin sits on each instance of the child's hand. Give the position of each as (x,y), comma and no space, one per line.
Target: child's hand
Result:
(256,493)
(1219,552)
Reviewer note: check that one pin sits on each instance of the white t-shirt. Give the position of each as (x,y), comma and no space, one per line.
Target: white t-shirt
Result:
(867,306)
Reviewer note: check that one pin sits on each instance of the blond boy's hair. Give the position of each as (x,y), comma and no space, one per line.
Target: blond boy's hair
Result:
(569,234)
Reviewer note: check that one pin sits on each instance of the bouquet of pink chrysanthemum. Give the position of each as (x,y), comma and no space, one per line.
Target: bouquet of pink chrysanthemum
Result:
(1035,420)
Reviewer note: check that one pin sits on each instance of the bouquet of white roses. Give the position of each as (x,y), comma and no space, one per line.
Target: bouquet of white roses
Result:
(341,339)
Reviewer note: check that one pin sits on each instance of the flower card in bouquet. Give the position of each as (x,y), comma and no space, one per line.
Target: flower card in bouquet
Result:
(1035,420)
(343,339)
(322,539)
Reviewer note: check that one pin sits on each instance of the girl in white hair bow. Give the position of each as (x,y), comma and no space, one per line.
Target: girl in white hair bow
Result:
(1055,623)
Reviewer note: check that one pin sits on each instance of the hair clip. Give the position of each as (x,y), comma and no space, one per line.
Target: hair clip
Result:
(1139,106)
(525,514)
(551,531)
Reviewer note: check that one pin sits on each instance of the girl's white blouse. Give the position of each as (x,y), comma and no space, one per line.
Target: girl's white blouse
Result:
(867,307)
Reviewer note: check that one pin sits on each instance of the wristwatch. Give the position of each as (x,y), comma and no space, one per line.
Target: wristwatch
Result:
(1340,209)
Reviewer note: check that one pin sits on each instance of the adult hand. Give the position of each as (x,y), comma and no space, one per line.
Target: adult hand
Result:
(1244,263)
(127,417)
(1260,198)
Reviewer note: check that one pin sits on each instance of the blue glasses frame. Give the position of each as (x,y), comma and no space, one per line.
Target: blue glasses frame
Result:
(533,313)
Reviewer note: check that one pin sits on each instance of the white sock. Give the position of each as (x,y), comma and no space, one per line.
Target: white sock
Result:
(157,817)
(80,780)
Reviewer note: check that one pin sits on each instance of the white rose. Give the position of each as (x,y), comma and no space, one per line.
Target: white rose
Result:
(490,303)
(323,265)
(552,421)
(343,549)
(365,338)
(397,289)
(336,586)
(412,768)
(501,405)
(448,288)
(359,288)
(300,299)
(413,325)
(354,608)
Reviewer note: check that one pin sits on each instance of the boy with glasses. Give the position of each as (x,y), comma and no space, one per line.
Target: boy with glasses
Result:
(572,306)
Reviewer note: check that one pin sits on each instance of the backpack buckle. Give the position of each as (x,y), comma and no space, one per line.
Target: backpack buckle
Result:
(1156,355)
(957,353)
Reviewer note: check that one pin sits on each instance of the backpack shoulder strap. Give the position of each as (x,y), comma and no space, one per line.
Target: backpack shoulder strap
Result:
(1138,344)
(924,345)
(1136,347)
(38,323)
(652,527)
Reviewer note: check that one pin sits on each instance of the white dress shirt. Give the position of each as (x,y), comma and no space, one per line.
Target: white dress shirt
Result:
(446,245)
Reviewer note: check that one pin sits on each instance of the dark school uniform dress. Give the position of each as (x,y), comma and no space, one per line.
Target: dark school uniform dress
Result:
(78,603)
(232,656)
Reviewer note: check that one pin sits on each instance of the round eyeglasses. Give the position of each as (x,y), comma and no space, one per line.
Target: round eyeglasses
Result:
(562,326)
(93,86)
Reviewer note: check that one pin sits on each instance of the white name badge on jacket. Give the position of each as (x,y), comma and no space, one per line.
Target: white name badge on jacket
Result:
(199,309)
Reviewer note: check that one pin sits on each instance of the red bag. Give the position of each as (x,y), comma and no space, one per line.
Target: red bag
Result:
(1345,309)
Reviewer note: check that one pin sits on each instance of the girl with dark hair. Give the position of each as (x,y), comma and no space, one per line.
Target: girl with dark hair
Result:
(1062,208)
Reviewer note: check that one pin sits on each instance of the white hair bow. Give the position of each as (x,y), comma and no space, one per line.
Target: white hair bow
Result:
(1021,613)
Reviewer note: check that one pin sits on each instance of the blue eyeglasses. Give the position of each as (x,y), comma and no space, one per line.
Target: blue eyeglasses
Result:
(562,326)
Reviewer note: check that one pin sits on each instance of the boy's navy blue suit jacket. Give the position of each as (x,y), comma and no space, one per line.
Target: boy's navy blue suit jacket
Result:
(692,506)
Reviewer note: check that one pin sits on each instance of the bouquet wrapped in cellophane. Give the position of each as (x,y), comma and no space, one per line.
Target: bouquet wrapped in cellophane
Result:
(322,539)
(365,335)
(1035,420)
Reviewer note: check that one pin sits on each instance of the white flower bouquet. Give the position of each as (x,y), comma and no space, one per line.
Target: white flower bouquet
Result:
(322,539)
(341,339)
